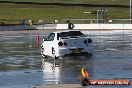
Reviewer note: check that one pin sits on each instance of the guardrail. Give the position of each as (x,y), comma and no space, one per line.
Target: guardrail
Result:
(98,21)
(96,26)
(65,26)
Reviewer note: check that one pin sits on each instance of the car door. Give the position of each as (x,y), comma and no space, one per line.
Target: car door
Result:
(49,44)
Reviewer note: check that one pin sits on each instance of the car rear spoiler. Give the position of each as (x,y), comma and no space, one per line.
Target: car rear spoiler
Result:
(68,37)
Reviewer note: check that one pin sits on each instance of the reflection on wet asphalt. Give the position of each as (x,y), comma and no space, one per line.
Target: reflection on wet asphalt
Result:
(21,65)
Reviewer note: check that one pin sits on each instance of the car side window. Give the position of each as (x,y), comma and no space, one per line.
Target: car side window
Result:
(51,37)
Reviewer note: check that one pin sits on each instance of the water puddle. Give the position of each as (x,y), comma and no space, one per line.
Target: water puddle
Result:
(21,65)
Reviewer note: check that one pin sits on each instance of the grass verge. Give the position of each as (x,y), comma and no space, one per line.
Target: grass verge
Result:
(58,13)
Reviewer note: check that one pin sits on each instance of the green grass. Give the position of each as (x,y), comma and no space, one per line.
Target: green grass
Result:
(123,2)
(10,11)
(42,13)
(58,13)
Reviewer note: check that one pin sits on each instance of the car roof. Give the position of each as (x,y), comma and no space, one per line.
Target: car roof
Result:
(65,31)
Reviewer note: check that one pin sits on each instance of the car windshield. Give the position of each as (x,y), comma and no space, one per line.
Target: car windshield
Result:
(70,33)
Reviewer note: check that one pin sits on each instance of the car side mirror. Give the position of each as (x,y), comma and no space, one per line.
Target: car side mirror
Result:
(43,40)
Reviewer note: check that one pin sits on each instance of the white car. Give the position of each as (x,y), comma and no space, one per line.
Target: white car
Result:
(66,43)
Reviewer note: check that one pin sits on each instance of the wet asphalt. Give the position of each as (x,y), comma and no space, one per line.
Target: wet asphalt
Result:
(21,64)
